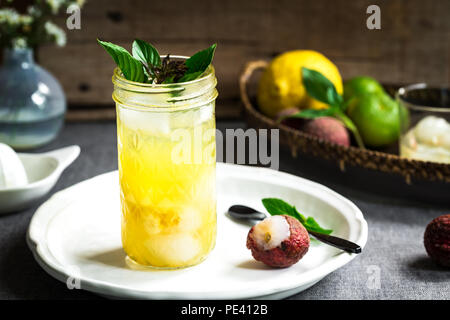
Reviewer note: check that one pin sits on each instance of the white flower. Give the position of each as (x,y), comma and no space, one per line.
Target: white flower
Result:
(55,5)
(55,33)
(34,11)
(25,19)
(19,43)
(9,16)
(22,30)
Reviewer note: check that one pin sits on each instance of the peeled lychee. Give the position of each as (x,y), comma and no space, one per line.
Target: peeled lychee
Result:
(329,129)
(278,241)
(437,240)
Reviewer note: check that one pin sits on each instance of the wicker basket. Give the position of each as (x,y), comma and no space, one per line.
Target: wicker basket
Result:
(299,142)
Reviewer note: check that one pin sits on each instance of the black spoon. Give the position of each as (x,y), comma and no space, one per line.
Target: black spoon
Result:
(246,213)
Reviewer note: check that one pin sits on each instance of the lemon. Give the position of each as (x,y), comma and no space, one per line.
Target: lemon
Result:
(281,86)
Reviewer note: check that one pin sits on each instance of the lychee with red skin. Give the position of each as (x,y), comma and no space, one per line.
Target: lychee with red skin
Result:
(278,241)
(328,128)
(437,240)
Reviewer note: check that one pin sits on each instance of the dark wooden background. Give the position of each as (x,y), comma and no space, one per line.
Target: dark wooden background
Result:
(412,45)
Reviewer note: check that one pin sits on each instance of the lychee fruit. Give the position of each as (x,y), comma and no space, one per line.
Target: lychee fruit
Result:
(329,129)
(278,241)
(437,240)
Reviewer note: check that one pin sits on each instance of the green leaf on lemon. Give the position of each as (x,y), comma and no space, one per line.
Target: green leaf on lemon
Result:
(320,88)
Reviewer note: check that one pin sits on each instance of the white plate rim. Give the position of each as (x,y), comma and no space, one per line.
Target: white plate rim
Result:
(36,242)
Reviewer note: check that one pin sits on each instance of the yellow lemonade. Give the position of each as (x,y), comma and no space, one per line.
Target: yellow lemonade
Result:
(168,204)
(167,179)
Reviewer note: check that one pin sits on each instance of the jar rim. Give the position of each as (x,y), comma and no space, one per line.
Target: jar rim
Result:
(119,80)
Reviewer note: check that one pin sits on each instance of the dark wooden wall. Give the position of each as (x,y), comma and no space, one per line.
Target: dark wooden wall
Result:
(412,45)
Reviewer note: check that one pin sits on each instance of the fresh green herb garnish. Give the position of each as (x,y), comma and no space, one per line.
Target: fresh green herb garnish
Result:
(322,89)
(131,67)
(277,206)
(198,63)
(146,65)
(146,53)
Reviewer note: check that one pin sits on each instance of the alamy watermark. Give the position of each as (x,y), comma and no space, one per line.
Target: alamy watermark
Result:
(74,20)
(374,278)
(73,281)
(374,20)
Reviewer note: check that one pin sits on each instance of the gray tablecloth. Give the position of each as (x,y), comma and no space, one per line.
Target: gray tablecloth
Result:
(393,265)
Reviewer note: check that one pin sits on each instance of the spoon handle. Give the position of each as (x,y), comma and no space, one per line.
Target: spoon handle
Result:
(339,243)
(245,213)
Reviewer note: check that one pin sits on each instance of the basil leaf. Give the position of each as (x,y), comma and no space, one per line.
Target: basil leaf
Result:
(320,88)
(312,114)
(200,61)
(277,206)
(301,218)
(312,225)
(131,68)
(146,53)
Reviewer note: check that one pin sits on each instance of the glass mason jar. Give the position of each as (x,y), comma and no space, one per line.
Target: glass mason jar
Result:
(425,123)
(167,160)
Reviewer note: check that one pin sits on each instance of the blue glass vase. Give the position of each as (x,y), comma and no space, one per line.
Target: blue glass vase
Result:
(32,102)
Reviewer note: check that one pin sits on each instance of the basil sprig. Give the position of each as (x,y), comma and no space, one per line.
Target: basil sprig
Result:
(145,64)
(277,206)
(147,55)
(320,88)
(198,63)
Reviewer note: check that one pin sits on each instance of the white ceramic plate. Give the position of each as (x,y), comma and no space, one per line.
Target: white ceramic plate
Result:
(76,234)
